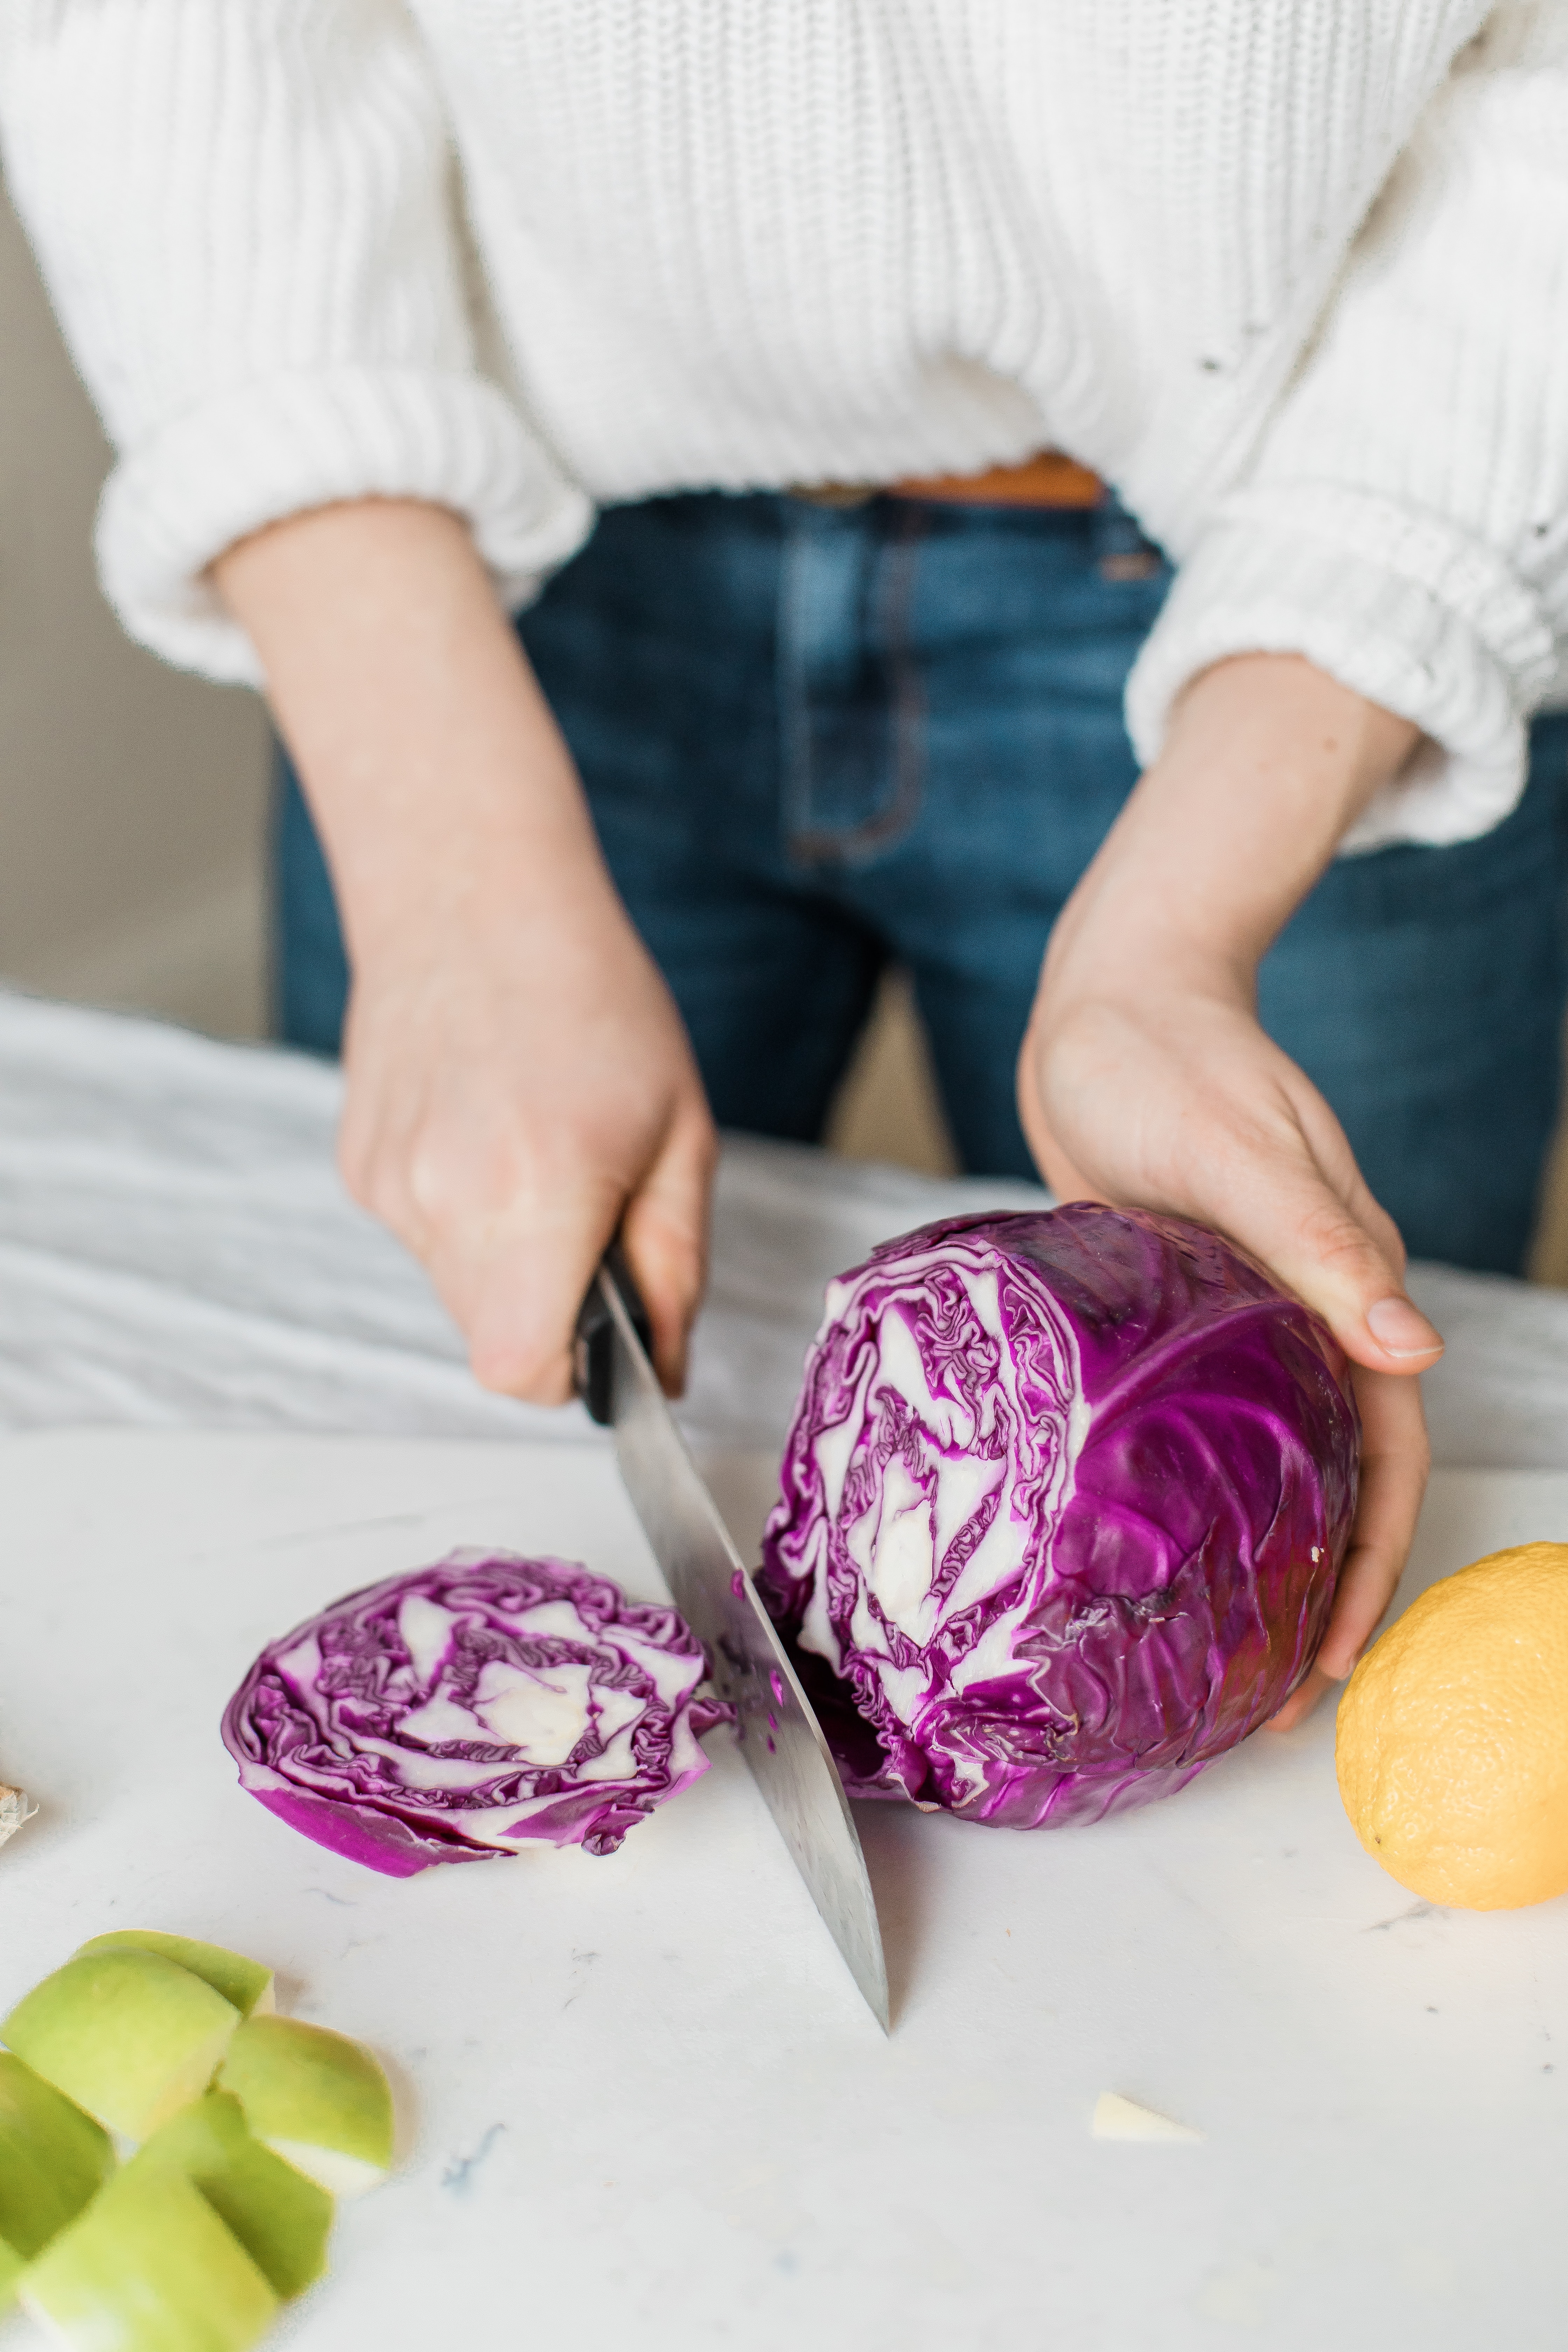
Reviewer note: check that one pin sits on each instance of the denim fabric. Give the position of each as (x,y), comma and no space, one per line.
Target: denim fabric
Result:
(818,738)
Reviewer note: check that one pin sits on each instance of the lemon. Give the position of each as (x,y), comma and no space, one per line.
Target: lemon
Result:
(1452,1743)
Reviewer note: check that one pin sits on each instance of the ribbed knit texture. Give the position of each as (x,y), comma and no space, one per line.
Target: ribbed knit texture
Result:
(1292,274)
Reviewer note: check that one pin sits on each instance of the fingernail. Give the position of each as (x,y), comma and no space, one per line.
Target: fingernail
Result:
(1401,1329)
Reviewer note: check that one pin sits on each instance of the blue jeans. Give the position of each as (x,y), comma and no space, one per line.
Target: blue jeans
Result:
(817,739)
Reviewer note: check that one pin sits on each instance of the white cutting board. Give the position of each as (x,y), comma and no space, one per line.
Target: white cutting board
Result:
(644,2108)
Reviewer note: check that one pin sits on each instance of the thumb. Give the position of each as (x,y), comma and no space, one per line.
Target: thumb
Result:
(665,1232)
(1341,1256)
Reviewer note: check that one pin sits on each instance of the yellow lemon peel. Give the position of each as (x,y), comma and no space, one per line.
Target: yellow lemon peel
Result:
(1452,1742)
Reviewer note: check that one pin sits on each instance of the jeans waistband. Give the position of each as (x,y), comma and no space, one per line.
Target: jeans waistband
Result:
(1048,479)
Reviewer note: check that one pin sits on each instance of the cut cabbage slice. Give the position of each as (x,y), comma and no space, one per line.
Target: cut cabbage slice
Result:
(316,2098)
(244,1983)
(473,1709)
(128,2035)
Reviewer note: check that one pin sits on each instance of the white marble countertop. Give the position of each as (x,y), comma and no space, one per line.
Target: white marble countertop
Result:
(643,2109)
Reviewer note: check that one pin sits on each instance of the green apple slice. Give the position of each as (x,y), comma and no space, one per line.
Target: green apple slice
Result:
(316,2097)
(245,1984)
(280,2219)
(53,2160)
(128,2035)
(149,2267)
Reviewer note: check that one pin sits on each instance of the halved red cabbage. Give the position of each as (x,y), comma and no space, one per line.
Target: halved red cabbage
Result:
(1064,1501)
(468,1709)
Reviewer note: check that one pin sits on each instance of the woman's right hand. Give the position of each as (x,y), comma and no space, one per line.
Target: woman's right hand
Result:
(519,1082)
(517,1088)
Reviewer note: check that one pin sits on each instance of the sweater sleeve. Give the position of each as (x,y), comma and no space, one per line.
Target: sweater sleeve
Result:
(1405,524)
(247,215)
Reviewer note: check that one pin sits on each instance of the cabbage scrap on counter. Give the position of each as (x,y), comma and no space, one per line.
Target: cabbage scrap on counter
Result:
(16,1808)
(470,1709)
(1064,1502)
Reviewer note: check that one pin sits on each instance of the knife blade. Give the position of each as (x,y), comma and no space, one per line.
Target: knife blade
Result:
(781,1738)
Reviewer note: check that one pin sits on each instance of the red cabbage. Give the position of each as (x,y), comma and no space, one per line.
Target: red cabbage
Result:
(465,1710)
(1064,1502)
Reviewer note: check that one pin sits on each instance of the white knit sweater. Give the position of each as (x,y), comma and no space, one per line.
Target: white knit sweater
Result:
(1292,273)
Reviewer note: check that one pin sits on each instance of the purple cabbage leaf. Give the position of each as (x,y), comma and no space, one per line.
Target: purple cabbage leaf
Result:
(1064,1501)
(466,1710)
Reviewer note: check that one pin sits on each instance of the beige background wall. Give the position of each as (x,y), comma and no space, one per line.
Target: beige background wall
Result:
(132,800)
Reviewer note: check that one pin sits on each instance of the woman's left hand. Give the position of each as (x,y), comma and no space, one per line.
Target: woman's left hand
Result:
(1146,1081)
(1155,1094)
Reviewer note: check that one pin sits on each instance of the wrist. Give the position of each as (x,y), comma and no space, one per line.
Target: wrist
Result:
(446,798)
(1119,942)
(1268,762)
(478,894)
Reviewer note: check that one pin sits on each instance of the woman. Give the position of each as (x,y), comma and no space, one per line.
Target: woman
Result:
(381,298)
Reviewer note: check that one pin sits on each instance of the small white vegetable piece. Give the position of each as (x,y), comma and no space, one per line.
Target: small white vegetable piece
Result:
(128,2035)
(245,1984)
(15,1807)
(1119,2118)
(314,2097)
(149,2263)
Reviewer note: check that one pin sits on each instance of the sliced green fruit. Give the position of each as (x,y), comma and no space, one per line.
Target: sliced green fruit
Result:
(53,2159)
(128,2035)
(280,2219)
(244,1983)
(316,2097)
(149,2267)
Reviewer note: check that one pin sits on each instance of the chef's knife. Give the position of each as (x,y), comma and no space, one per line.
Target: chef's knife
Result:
(780,1736)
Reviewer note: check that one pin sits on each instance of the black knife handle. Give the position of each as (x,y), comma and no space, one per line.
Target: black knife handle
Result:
(594,1344)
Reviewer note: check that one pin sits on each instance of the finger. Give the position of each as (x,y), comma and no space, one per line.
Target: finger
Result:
(516,1284)
(1281,1179)
(1347,1267)
(1061,1176)
(665,1232)
(1395,1458)
(374,1165)
(376,1145)
(1394,1463)
(1301,1701)
(1057,1171)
